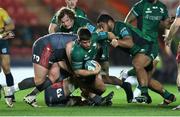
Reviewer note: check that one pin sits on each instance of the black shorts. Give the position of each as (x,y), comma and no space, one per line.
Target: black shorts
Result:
(88,80)
(4,47)
(54,95)
(45,55)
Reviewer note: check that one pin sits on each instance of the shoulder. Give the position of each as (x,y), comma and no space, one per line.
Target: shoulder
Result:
(120,24)
(161,4)
(80,10)
(140,3)
(3,11)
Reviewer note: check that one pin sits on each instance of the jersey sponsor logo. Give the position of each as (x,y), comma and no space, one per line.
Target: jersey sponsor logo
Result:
(148,10)
(4,50)
(150,17)
(155,7)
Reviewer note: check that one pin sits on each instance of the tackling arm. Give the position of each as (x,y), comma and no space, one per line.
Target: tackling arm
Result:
(173,30)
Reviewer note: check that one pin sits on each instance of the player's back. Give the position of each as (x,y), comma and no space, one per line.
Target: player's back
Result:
(56,40)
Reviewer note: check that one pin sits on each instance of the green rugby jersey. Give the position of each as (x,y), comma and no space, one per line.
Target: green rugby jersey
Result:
(149,16)
(121,30)
(79,55)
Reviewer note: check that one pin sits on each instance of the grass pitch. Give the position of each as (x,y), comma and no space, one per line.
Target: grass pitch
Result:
(119,107)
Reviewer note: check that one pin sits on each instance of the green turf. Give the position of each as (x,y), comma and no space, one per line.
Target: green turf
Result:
(119,107)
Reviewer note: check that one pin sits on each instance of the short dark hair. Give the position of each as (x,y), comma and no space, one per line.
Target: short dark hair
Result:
(104,18)
(65,11)
(84,34)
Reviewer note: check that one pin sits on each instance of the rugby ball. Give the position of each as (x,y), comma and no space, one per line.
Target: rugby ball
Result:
(90,65)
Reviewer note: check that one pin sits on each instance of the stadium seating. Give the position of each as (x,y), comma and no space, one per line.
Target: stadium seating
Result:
(18,12)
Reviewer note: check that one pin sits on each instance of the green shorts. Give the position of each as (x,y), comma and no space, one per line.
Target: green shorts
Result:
(150,50)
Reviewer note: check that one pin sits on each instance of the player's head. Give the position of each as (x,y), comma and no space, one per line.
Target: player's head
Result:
(105,22)
(66,17)
(71,3)
(84,37)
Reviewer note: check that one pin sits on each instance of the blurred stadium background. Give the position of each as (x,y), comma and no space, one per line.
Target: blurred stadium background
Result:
(32,18)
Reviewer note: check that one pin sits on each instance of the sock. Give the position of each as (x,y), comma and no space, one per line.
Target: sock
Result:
(131,72)
(144,90)
(26,84)
(44,85)
(34,92)
(166,94)
(9,79)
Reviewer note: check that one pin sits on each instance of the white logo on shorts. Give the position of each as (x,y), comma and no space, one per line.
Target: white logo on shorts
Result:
(4,50)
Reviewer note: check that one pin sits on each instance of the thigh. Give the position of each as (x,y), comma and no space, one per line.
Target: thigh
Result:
(141,60)
(40,73)
(54,72)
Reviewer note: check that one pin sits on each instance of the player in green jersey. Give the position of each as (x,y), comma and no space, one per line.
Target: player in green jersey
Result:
(72,4)
(139,46)
(149,15)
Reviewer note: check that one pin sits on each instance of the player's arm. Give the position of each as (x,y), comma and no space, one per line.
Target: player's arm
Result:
(173,30)
(126,40)
(52,28)
(53,25)
(105,35)
(9,27)
(84,72)
(9,24)
(130,17)
(80,72)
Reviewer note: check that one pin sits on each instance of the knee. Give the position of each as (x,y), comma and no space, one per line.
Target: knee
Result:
(137,66)
(38,81)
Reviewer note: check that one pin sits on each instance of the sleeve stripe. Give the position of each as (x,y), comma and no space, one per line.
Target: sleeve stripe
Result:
(135,13)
